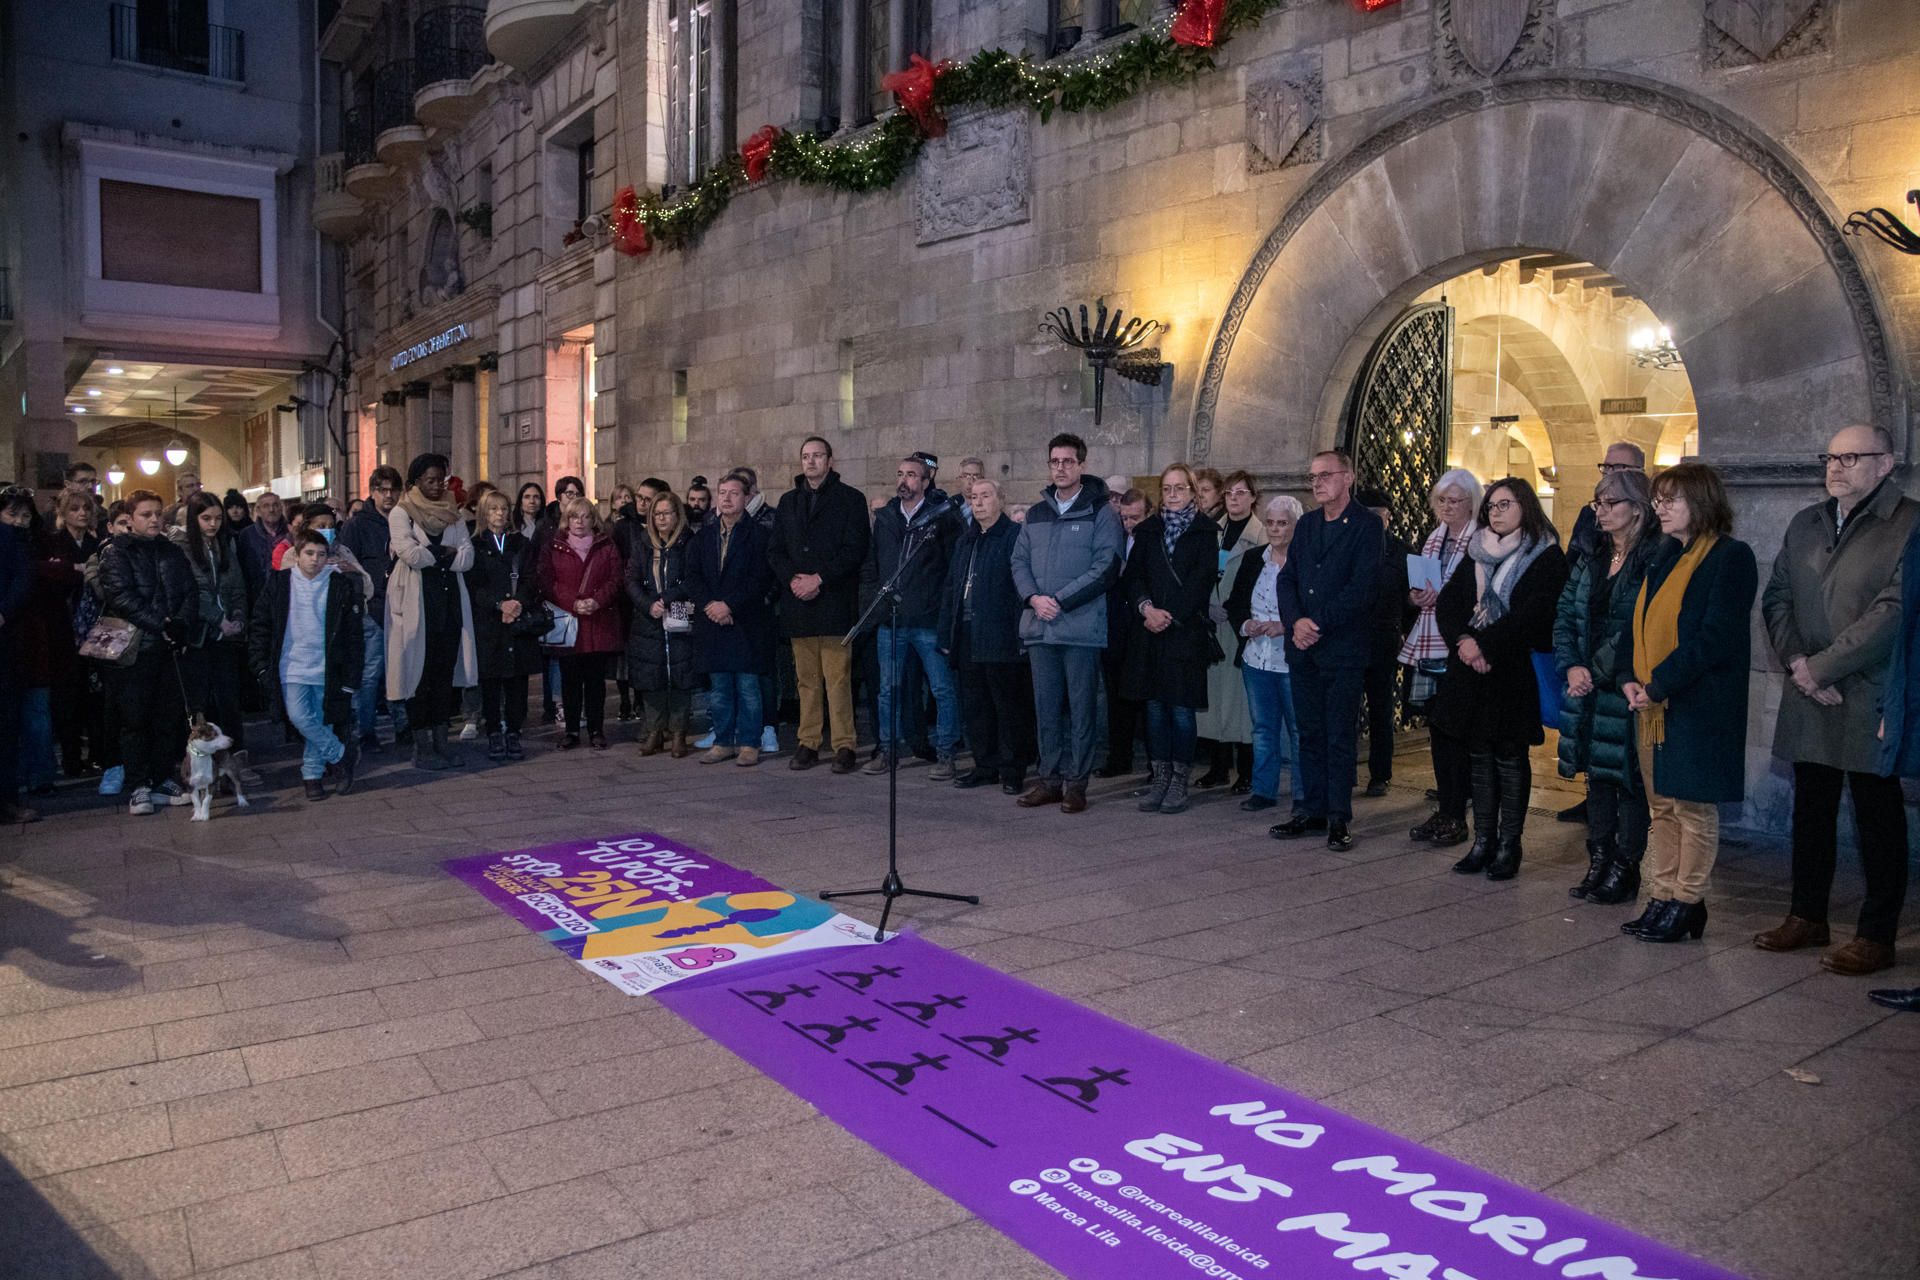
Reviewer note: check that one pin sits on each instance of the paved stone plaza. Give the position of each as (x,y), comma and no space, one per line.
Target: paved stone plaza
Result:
(285,1046)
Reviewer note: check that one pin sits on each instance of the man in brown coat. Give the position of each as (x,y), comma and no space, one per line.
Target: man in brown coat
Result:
(1832,610)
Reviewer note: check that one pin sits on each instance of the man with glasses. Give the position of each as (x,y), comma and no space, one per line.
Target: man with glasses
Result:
(1832,609)
(367,536)
(1066,557)
(1326,599)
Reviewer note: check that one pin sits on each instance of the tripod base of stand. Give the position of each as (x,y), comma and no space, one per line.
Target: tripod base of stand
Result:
(892,888)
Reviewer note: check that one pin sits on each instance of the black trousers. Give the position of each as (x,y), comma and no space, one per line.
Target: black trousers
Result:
(213,674)
(79,715)
(1326,699)
(1618,813)
(504,697)
(1382,687)
(434,701)
(583,681)
(1452,773)
(1880,820)
(996,705)
(153,716)
(1123,714)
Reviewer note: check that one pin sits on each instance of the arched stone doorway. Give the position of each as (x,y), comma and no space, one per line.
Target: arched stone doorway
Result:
(1697,213)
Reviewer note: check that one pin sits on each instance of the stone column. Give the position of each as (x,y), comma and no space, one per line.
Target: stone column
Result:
(853,62)
(720,102)
(418,429)
(897,34)
(466,425)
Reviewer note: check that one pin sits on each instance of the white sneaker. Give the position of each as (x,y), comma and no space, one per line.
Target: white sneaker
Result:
(113,780)
(469,731)
(704,741)
(141,804)
(769,740)
(172,793)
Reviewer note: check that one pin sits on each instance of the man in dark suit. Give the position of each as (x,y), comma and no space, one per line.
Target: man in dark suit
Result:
(1123,713)
(1393,613)
(1326,601)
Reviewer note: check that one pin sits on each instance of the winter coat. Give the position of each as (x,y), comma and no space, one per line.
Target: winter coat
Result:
(62,571)
(16,586)
(1704,680)
(1226,717)
(566,580)
(1393,612)
(368,535)
(821,531)
(223,587)
(256,543)
(499,574)
(1900,701)
(743,584)
(1502,706)
(1331,570)
(1170,666)
(659,659)
(1074,557)
(345,641)
(1835,600)
(980,595)
(148,582)
(406,616)
(937,527)
(1596,729)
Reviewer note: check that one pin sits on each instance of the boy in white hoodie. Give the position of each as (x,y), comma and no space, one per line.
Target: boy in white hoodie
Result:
(307,644)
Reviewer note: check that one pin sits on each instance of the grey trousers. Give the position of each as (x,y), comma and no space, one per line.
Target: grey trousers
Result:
(1066,697)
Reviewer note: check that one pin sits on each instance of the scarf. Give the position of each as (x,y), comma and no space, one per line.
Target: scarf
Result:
(1498,563)
(1656,627)
(580,543)
(1424,642)
(1174,525)
(434,517)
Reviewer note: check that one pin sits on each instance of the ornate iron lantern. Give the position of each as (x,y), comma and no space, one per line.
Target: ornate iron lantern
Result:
(1110,341)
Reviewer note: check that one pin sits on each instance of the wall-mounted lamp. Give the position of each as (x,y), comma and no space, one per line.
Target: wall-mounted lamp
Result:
(1885,227)
(1109,341)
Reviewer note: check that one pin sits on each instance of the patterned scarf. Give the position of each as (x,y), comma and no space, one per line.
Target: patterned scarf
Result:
(1499,563)
(1174,525)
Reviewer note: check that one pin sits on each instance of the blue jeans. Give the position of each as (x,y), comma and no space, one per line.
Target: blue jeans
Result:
(36,737)
(733,708)
(306,707)
(1170,732)
(373,675)
(1069,674)
(1276,734)
(926,647)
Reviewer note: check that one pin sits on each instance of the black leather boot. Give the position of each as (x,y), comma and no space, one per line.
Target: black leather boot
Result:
(1218,755)
(1655,908)
(1621,883)
(1679,920)
(1515,777)
(1486,816)
(1599,857)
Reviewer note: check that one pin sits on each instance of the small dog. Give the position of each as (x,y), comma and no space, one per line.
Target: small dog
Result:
(209,759)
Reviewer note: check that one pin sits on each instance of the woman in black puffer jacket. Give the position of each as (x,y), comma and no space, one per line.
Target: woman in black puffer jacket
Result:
(660,652)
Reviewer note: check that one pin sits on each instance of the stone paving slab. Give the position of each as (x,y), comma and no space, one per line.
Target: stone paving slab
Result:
(283,1045)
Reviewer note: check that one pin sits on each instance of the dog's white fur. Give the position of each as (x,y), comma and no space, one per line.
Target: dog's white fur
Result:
(210,758)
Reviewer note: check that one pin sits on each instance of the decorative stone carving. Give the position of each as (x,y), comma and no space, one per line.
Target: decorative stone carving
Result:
(1283,122)
(1479,39)
(1744,32)
(977,177)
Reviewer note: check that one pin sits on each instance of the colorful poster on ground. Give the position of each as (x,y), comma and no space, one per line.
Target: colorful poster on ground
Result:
(1109,1152)
(643,911)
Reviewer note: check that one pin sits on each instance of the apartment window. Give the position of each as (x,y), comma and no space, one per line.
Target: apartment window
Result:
(862,41)
(583,179)
(700,88)
(1075,21)
(887,54)
(191,239)
(176,35)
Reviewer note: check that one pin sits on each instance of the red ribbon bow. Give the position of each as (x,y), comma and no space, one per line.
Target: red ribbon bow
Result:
(757,151)
(629,233)
(914,89)
(1199,22)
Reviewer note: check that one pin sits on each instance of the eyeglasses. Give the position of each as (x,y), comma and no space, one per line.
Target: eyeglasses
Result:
(1061,464)
(1317,476)
(1176,487)
(1606,504)
(1502,506)
(1608,468)
(1239,491)
(1847,461)
(1665,501)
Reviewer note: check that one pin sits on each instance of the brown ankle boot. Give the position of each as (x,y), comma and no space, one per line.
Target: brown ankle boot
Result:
(1792,934)
(680,746)
(655,740)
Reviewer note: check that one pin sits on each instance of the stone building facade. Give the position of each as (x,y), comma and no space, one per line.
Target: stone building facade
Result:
(1276,214)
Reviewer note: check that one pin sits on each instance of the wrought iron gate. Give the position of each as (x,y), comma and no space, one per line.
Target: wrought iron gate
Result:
(1399,414)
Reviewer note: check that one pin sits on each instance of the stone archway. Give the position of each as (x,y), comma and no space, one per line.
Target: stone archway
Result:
(1695,211)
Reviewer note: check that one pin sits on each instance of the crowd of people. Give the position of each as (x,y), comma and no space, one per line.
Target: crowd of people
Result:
(1243,633)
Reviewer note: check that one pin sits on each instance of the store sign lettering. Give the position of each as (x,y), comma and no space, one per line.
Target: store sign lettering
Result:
(431,346)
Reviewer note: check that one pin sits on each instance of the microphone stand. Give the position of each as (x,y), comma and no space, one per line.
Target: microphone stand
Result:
(892,887)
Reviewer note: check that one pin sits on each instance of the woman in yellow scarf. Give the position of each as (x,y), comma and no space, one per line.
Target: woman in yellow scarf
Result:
(1684,673)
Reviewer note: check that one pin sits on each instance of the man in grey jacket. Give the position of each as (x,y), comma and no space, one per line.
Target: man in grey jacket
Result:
(1067,555)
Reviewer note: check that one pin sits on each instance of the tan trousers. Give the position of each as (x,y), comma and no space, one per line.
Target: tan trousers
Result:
(1683,838)
(822,661)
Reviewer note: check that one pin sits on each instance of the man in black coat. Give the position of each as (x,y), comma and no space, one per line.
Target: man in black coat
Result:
(16,585)
(917,519)
(1123,713)
(146,580)
(1326,601)
(980,632)
(312,673)
(819,546)
(1393,613)
(367,535)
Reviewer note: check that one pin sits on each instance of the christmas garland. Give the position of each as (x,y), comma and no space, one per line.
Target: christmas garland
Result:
(1166,52)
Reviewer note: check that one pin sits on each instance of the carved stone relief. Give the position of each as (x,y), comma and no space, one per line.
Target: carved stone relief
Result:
(1283,121)
(1475,40)
(1741,33)
(979,176)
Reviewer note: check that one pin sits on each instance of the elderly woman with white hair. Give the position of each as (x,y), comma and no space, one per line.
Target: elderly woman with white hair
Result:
(1253,611)
(1455,497)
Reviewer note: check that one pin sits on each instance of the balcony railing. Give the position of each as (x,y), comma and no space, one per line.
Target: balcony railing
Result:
(197,48)
(450,43)
(356,136)
(393,87)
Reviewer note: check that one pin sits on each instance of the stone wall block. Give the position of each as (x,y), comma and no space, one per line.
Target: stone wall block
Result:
(1706,190)
(1803,326)
(1743,275)
(1492,150)
(1368,217)
(1640,149)
(1562,154)
(1414,174)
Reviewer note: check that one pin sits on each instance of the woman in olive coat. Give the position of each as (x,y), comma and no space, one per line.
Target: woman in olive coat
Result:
(1168,583)
(660,653)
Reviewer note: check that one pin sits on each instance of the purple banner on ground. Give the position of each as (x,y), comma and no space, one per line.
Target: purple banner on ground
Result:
(1109,1152)
(642,911)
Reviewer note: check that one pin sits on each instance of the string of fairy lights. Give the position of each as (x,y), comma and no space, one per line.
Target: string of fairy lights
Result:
(992,78)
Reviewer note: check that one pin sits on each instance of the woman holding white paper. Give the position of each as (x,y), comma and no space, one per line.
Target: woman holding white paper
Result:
(1455,496)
